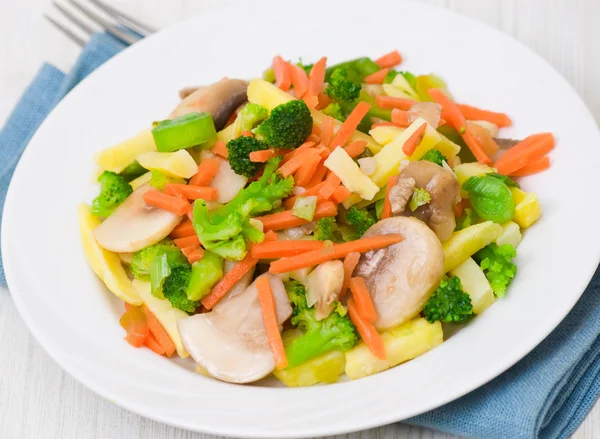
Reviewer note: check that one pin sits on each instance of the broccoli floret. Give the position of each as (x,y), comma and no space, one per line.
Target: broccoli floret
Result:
(419,198)
(141,260)
(389,78)
(335,332)
(434,156)
(334,110)
(239,155)
(325,229)
(468,218)
(340,88)
(287,126)
(449,303)
(360,219)
(175,289)
(113,191)
(496,262)
(250,116)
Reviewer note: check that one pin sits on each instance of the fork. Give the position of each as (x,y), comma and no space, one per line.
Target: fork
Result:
(116,23)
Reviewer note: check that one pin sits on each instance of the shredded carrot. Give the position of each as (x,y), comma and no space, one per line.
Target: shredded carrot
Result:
(483,138)
(337,251)
(318,176)
(299,79)
(311,101)
(413,141)
(451,111)
(386,124)
(195,192)
(307,169)
(377,77)
(186,228)
(362,298)
(267,304)
(220,149)
(367,331)
(316,78)
(152,343)
(159,332)
(387,205)
(292,165)
(228,281)
(473,113)
(316,130)
(283,78)
(350,124)
(283,249)
(266,154)
(383,101)
(400,118)
(298,151)
(525,152)
(332,182)
(533,167)
(323,151)
(285,219)
(187,241)
(207,170)
(166,202)
(340,194)
(270,235)
(323,100)
(193,253)
(356,148)
(350,263)
(327,130)
(391,59)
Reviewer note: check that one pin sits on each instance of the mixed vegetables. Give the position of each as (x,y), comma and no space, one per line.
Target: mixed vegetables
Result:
(320,221)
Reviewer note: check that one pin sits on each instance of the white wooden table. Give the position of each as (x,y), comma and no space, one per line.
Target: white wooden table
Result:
(38,399)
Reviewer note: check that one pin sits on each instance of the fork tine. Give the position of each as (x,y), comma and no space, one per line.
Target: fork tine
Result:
(115,31)
(75,38)
(76,20)
(141,28)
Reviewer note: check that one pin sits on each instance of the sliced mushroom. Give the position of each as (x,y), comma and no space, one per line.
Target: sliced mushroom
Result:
(323,287)
(230,342)
(401,193)
(186,91)
(219,99)
(403,276)
(134,225)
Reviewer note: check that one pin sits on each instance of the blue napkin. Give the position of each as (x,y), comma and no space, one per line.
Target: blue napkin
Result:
(546,395)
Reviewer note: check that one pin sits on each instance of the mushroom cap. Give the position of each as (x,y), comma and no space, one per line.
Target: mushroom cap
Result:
(323,287)
(230,342)
(134,225)
(402,277)
(220,99)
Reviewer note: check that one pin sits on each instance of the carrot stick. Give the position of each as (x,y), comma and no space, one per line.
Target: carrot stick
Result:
(391,59)
(292,165)
(350,124)
(195,192)
(186,228)
(323,151)
(206,172)
(323,100)
(311,101)
(228,281)
(386,124)
(270,235)
(327,130)
(266,154)
(152,343)
(193,253)
(387,205)
(316,78)
(377,77)
(307,169)
(356,148)
(451,110)
(332,182)
(367,331)
(400,118)
(299,79)
(483,138)
(220,148)
(317,176)
(285,219)
(336,252)
(267,304)
(283,249)
(247,133)
(476,148)
(350,263)
(392,102)
(283,78)
(529,149)
(534,167)
(166,202)
(298,151)
(187,241)
(159,332)
(340,194)
(413,141)
(473,113)
(362,298)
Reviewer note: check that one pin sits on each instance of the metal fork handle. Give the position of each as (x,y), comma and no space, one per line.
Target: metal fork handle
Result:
(129,21)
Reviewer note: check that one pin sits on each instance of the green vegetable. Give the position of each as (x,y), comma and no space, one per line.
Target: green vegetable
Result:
(358,69)
(225,229)
(360,219)
(141,261)
(491,198)
(184,132)
(496,262)
(336,332)
(325,229)
(175,287)
(379,208)
(468,218)
(159,271)
(239,155)
(307,67)
(411,79)
(113,191)
(250,116)
(507,180)
(133,171)
(434,156)
(287,126)
(269,75)
(449,303)
(334,110)
(389,78)
(205,274)
(340,88)
(348,233)
(159,179)
(304,207)
(419,198)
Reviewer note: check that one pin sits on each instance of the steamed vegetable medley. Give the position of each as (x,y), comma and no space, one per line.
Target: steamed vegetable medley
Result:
(321,220)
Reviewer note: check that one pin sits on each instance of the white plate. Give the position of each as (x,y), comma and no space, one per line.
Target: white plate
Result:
(76,320)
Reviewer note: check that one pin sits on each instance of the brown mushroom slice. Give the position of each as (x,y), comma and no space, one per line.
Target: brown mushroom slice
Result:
(134,225)
(402,277)
(230,342)
(219,99)
(186,91)
(323,287)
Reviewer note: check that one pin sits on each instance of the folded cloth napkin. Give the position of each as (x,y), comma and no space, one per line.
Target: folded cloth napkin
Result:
(545,395)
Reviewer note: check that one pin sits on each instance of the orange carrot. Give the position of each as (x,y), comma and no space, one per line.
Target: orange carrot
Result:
(392,102)
(316,130)
(451,111)
(350,124)
(166,202)
(483,138)
(291,166)
(473,113)
(317,176)
(350,263)
(206,172)
(193,253)
(283,249)
(400,118)
(340,194)
(289,203)
(533,167)
(228,281)
(332,182)
(323,151)
(267,304)
(266,154)
(387,205)
(220,148)
(413,141)
(186,228)
(298,151)
(337,251)
(356,148)
(152,343)
(283,78)
(285,219)
(187,241)
(460,207)
(323,100)
(299,79)
(311,101)
(476,148)
(195,192)
(530,149)
(377,77)
(386,124)
(327,130)
(316,78)
(367,331)
(270,235)
(362,298)
(307,170)
(159,332)
(136,326)
(391,59)
(246,133)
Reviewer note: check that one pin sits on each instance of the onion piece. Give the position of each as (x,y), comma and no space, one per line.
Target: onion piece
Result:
(430,111)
